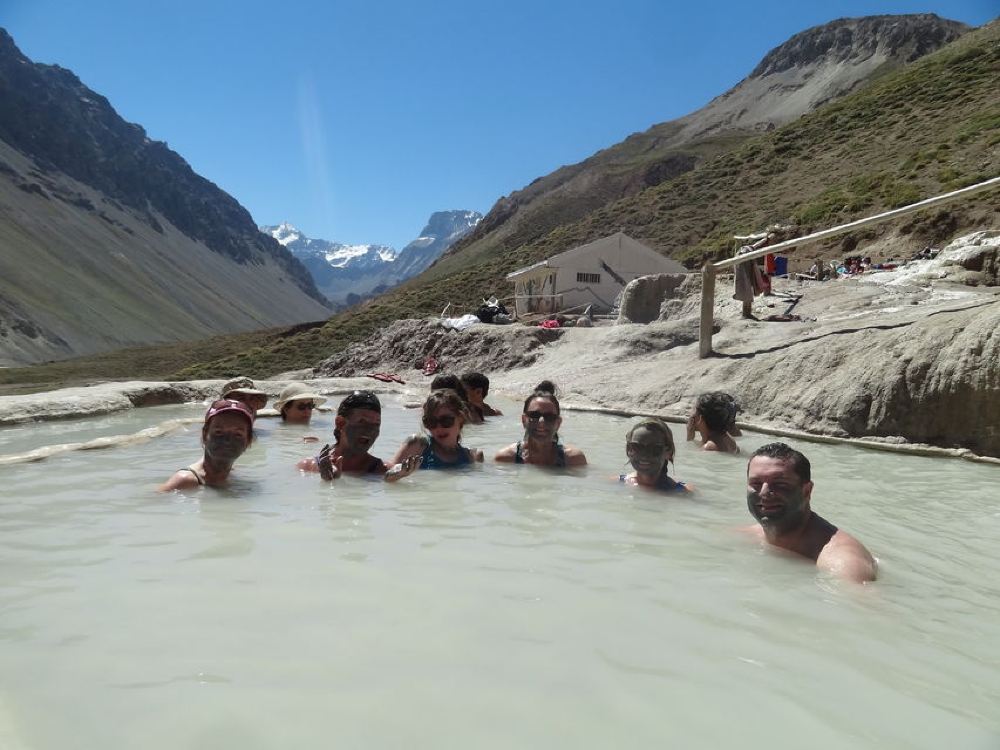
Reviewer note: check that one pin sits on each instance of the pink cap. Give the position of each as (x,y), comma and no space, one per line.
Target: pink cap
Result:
(227,404)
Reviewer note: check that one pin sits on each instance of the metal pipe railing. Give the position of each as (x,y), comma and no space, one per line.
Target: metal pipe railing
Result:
(711,269)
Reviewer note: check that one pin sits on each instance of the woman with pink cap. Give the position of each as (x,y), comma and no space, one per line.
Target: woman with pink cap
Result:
(225,436)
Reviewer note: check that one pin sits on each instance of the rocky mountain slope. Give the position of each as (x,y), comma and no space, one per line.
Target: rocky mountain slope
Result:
(923,129)
(347,274)
(110,239)
(812,68)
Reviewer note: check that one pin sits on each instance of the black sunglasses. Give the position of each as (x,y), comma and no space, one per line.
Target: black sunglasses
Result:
(304,405)
(548,416)
(448,420)
(646,449)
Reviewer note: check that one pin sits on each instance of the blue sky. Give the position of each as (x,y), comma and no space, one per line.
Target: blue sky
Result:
(356,120)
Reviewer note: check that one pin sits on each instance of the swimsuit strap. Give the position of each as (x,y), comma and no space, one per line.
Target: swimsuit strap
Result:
(560,456)
(199,477)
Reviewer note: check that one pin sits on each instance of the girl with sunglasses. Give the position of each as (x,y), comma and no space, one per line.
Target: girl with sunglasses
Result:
(649,446)
(541,422)
(444,414)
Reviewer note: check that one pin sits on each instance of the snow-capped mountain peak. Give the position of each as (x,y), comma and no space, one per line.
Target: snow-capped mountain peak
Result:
(346,274)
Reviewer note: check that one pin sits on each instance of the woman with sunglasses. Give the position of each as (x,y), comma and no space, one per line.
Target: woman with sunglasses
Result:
(541,422)
(296,403)
(444,414)
(355,430)
(649,446)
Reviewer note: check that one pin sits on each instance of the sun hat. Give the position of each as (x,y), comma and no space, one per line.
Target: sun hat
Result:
(297,392)
(241,385)
(224,405)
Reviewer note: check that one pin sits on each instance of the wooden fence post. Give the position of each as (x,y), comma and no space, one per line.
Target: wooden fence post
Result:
(707,310)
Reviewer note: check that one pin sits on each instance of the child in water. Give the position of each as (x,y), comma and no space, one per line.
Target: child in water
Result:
(444,415)
(649,446)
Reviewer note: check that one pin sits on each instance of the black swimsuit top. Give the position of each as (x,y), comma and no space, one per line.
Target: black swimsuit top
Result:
(560,455)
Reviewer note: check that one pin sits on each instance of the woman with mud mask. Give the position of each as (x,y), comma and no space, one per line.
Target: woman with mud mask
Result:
(355,430)
(227,433)
(444,414)
(649,446)
(540,444)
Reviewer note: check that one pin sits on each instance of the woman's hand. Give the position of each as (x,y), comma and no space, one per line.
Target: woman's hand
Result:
(403,469)
(692,425)
(329,467)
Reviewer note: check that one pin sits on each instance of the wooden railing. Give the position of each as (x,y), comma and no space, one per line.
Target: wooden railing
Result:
(710,270)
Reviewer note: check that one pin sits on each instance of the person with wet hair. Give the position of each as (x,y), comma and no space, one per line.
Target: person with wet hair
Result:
(225,436)
(355,430)
(541,445)
(779,493)
(713,415)
(477,388)
(649,446)
(444,415)
(474,414)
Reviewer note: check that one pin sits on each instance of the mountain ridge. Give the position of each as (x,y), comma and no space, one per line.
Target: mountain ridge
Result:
(925,128)
(110,239)
(347,274)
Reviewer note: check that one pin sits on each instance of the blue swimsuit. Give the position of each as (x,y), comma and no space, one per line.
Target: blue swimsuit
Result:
(430,460)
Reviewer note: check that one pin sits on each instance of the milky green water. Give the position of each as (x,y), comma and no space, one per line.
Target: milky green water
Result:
(505,606)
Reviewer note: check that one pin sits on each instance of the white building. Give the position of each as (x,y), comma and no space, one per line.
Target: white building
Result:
(591,274)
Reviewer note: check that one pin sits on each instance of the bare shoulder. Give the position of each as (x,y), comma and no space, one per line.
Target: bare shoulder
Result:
(847,558)
(412,446)
(574,456)
(181,480)
(507,453)
(710,445)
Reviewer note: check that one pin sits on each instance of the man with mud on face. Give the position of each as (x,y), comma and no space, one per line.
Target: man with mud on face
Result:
(225,436)
(355,430)
(779,490)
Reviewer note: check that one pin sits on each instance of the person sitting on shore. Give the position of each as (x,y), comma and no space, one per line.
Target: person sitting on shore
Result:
(474,415)
(712,416)
(444,415)
(225,436)
(540,444)
(477,388)
(649,446)
(779,491)
(355,430)
(244,390)
(296,403)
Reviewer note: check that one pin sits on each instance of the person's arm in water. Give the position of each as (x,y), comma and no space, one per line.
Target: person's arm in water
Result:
(407,458)
(506,455)
(846,557)
(574,456)
(181,480)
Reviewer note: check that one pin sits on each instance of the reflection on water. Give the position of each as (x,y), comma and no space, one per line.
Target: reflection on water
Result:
(505,606)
